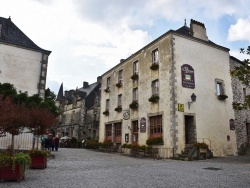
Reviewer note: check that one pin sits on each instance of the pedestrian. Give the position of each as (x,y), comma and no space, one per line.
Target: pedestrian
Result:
(53,144)
(43,141)
(68,143)
(56,143)
(49,143)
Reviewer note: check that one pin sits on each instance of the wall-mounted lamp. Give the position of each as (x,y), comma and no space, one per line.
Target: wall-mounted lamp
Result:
(129,127)
(193,98)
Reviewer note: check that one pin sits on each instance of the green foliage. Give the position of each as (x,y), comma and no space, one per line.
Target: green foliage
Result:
(154,66)
(154,98)
(124,145)
(242,73)
(155,141)
(73,140)
(92,144)
(134,77)
(7,159)
(35,152)
(134,105)
(201,145)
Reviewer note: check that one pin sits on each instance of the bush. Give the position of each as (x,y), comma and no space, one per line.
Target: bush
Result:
(155,141)
(124,145)
(201,145)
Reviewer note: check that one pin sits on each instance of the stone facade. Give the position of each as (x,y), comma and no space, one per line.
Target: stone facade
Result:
(81,109)
(242,117)
(173,116)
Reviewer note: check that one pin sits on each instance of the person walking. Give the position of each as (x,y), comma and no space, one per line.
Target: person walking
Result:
(56,143)
(53,144)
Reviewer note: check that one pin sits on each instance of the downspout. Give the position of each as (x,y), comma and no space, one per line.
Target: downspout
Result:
(40,81)
(173,96)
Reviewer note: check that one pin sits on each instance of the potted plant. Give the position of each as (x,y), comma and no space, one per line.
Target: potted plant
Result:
(106,112)
(12,166)
(107,90)
(134,105)
(119,84)
(222,97)
(155,141)
(154,66)
(135,76)
(154,98)
(38,158)
(118,109)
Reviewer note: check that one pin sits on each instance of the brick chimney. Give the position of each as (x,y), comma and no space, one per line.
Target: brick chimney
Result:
(85,84)
(198,30)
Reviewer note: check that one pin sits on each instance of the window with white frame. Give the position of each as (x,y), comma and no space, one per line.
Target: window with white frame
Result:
(155,56)
(155,87)
(120,76)
(108,82)
(107,104)
(119,100)
(135,67)
(220,90)
(135,94)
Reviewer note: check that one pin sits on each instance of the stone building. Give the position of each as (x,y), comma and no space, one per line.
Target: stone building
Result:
(23,64)
(242,117)
(177,87)
(80,107)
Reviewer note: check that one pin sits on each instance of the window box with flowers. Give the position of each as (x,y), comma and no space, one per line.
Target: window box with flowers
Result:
(222,97)
(134,105)
(12,166)
(38,159)
(119,84)
(106,112)
(107,90)
(154,98)
(135,76)
(154,66)
(155,141)
(118,109)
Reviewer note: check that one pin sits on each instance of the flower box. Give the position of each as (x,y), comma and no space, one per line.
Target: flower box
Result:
(107,90)
(134,105)
(119,84)
(134,77)
(38,162)
(154,66)
(106,112)
(154,99)
(9,173)
(222,97)
(118,109)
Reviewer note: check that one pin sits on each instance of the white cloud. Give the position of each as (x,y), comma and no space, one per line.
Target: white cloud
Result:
(240,31)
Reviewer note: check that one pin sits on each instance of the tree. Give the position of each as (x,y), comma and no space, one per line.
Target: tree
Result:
(13,118)
(243,74)
(41,120)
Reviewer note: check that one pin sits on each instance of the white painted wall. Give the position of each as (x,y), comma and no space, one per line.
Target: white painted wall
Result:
(20,67)
(212,115)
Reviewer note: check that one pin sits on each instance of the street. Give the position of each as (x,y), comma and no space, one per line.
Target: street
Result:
(73,168)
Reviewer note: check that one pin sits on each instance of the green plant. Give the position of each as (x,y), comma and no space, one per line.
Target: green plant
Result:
(35,152)
(154,98)
(154,66)
(106,112)
(7,159)
(107,90)
(134,76)
(143,148)
(222,97)
(124,145)
(155,141)
(118,109)
(201,145)
(134,105)
(129,146)
(119,84)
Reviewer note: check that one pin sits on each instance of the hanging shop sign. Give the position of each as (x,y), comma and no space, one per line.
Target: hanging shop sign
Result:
(143,125)
(187,76)
(180,107)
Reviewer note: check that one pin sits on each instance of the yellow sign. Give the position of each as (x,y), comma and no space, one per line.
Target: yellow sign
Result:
(181,107)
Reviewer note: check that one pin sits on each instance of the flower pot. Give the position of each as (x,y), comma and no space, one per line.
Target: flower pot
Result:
(38,162)
(9,174)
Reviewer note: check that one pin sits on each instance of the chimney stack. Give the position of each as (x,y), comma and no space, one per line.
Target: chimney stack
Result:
(85,84)
(198,30)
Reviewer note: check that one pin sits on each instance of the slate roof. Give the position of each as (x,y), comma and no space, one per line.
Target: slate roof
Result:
(11,34)
(89,88)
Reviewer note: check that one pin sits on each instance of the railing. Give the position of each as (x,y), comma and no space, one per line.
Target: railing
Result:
(23,141)
(206,139)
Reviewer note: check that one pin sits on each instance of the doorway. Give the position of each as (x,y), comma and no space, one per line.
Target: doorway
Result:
(190,130)
(248,133)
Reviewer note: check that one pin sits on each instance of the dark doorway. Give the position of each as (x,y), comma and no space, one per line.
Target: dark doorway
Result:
(248,133)
(190,130)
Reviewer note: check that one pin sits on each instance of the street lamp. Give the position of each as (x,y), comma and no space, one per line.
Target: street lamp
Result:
(193,98)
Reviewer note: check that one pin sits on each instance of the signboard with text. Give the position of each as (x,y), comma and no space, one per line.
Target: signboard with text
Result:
(143,125)
(187,76)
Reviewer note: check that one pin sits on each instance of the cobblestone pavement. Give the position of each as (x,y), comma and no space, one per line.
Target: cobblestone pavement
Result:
(73,168)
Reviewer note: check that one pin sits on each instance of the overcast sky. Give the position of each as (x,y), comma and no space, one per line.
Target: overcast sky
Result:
(88,37)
